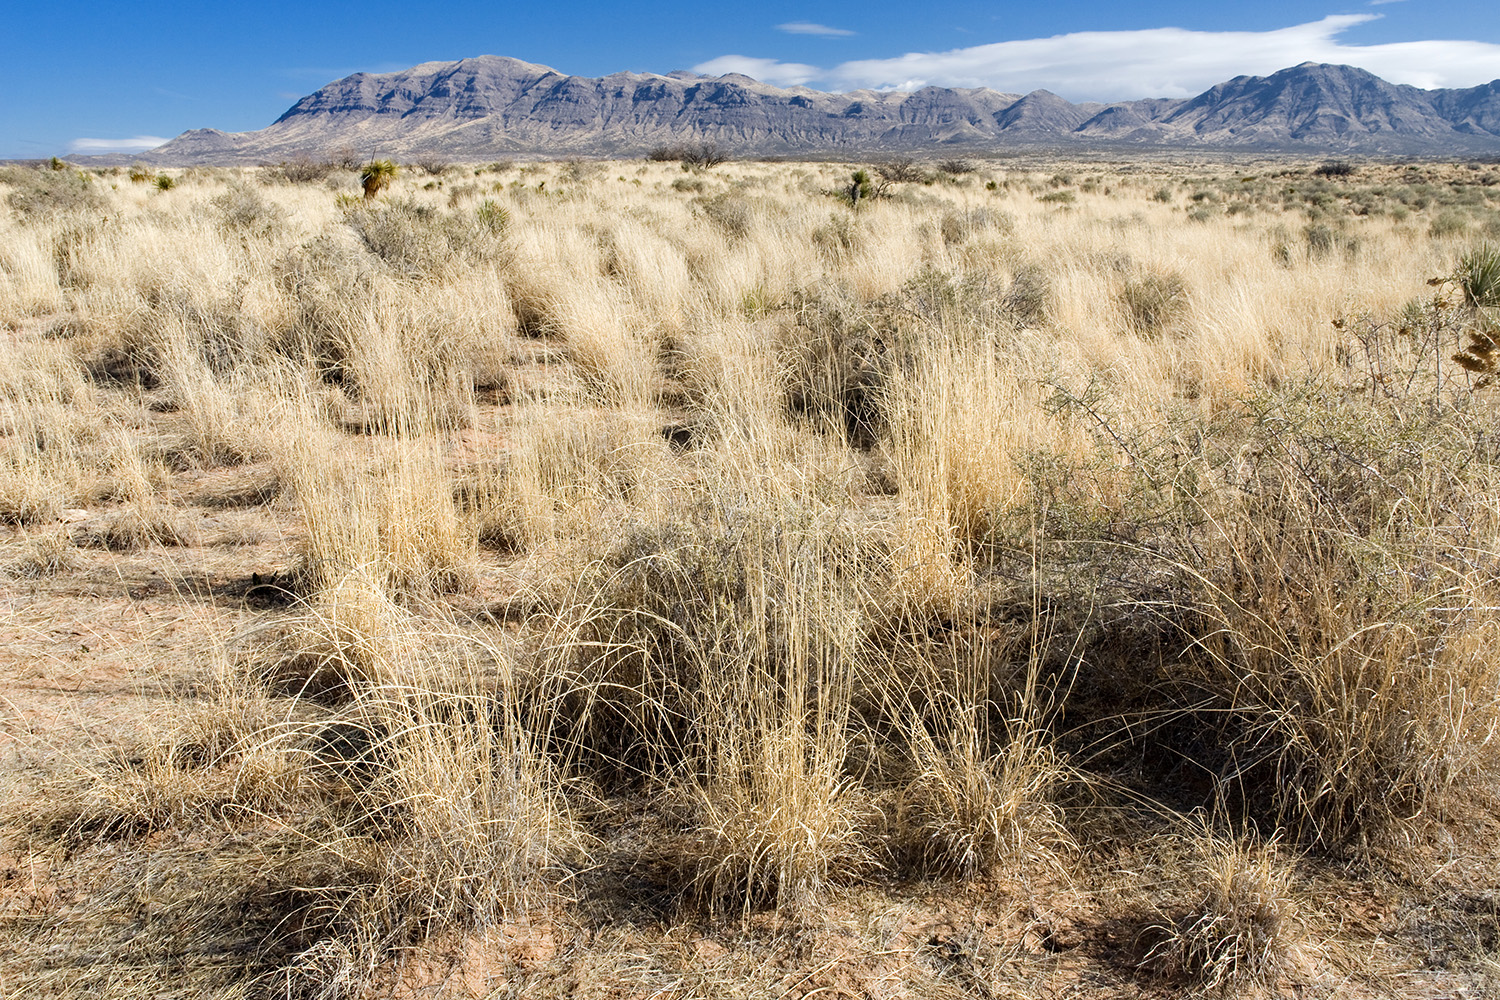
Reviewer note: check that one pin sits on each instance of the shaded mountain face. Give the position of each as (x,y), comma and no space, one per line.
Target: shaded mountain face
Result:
(1313,103)
(493,106)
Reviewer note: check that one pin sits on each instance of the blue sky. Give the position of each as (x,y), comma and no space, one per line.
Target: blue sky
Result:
(75,73)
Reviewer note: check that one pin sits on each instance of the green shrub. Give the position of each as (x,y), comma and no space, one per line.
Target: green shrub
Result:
(492,216)
(861,188)
(1335,168)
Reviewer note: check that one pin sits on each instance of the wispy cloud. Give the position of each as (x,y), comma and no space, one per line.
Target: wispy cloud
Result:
(766,70)
(1155,62)
(93,147)
(1382,3)
(808,28)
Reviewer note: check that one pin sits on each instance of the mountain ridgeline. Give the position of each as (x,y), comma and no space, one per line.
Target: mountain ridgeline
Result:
(491,106)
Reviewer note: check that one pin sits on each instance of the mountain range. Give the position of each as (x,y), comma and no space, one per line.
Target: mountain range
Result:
(490,107)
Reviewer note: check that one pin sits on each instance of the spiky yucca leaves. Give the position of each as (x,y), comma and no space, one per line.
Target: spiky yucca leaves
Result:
(1478,277)
(1478,281)
(376,176)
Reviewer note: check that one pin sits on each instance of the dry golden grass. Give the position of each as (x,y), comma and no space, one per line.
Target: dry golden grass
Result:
(617,581)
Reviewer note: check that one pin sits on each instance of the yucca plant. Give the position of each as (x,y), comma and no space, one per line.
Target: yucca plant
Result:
(376,177)
(1478,279)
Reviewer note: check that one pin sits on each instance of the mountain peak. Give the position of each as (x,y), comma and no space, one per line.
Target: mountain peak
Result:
(488,106)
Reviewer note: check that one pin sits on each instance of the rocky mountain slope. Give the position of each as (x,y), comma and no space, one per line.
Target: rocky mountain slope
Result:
(492,106)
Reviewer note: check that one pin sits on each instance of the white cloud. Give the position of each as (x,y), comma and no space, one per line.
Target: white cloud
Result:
(99,146)
(808,28)
(770,71)
(1155,62)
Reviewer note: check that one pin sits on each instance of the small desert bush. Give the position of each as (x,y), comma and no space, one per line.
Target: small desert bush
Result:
(248,215)
(1153,301)
(777,822)
(46,194)
(393,522)
(1228,918)
(835,364)
(376,176)
(692,156)
(417,241)
(1335,168)
(45,555)
(974,806)
(957,167)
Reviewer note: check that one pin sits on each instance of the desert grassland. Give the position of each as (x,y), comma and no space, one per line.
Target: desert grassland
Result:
(609,579)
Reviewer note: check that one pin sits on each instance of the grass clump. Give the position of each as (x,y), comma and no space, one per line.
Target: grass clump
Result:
(1230,924)
(1154,301)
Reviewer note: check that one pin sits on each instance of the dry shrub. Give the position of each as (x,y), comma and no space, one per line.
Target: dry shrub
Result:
(1365,711)
(28,495)
(143,517)
(961,227)
(607,341)
(719,658)
(778,823)
(423,243)
(221,757)
(126,795)
(349,634)
(567,467)
(408,363)
(44,555)
(246,215)
(328,282)
(961,422)
(835,362)
(136,526)
(1317,623)
(1226,917)
(970,808)
(393,523)
(426,811)
(1154,301)
(43,194)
